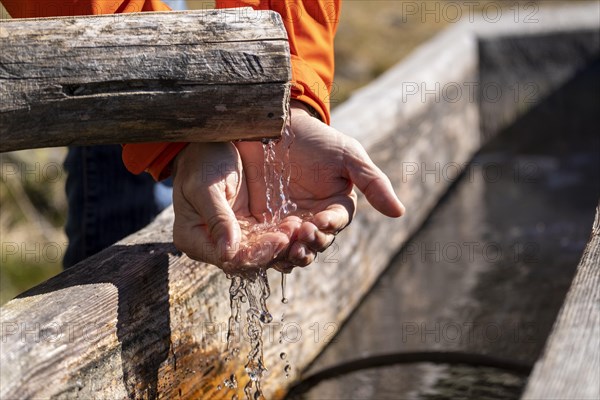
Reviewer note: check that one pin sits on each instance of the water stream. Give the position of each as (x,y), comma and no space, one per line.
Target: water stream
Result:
(252,286)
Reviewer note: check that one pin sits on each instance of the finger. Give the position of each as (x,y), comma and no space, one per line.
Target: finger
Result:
(262,250)
(194,241)
(313,238)
(290,226)
(375,185)
(300,255)
(222,225)
(252,155)
(336,216)
(189,235)
(283,266)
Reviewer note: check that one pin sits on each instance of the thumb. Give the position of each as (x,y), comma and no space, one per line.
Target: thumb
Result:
(371,181)
(222,225)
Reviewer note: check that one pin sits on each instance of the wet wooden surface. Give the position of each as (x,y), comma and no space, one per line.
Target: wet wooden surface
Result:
(216,75)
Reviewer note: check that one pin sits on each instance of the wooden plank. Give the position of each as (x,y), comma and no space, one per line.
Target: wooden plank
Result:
(215,75)
(570,365)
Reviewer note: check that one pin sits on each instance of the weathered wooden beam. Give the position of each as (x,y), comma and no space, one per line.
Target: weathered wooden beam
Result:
(570,364)
(216,75)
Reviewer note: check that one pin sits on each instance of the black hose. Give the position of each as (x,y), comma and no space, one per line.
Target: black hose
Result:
(384,360)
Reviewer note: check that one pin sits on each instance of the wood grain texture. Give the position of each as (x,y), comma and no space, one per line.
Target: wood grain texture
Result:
(216,75)
(570,365)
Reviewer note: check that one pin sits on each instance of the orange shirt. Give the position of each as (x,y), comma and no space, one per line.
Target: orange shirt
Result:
(311,26)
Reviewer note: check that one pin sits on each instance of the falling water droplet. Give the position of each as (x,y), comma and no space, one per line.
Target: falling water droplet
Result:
(282,356)
(283,299)
(230,383)
(266,317)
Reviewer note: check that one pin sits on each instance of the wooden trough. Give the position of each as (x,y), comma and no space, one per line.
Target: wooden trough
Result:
(141,320)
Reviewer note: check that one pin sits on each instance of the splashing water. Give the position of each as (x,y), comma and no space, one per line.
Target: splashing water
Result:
(253,286)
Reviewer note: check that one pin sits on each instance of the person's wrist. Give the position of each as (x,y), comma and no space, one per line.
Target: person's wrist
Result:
(298,106)
(180,158)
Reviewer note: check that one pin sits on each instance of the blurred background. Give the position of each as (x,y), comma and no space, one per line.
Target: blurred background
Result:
(372,36)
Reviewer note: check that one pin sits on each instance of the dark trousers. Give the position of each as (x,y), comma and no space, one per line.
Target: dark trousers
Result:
(106,202)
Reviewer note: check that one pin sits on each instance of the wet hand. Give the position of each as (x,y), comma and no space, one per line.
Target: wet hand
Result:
(324,165)
(213,222)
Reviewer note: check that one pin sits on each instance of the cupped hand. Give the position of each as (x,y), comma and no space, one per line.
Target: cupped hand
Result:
(324,166)
(213,222)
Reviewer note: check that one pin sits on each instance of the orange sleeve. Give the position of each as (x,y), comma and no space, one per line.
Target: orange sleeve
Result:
(57,8)
(311,27)
(310,24)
